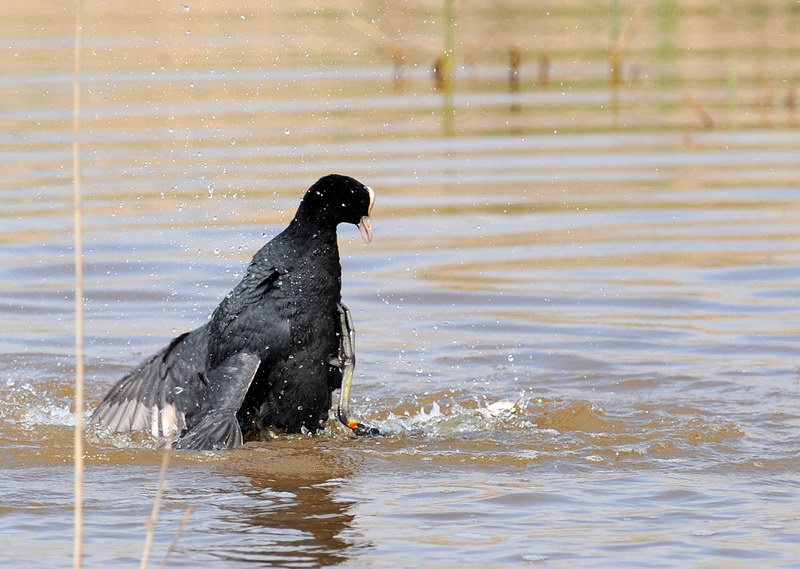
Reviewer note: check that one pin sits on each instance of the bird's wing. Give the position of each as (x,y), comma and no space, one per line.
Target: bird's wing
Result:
(176,390)
(158,395)
(246,326)
(253,318)
(228,385)
(255,288)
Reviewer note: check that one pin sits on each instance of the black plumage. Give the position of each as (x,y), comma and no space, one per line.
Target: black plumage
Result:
(271,354)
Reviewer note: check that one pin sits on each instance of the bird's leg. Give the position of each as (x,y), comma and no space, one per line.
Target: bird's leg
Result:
(347,357)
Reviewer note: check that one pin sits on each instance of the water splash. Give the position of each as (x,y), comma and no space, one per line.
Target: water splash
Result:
(446,418)
(27,407)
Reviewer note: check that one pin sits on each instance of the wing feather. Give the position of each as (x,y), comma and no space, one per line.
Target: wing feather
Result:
(158,395)
(219,427)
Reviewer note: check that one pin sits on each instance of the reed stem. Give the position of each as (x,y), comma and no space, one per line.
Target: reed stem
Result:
(447,67)
(151,521)
(177,537)
(623,42)
(77,554)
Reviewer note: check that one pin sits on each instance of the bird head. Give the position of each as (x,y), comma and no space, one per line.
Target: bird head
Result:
(336,199)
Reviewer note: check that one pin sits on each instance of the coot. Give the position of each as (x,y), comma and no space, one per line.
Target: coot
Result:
(274,349)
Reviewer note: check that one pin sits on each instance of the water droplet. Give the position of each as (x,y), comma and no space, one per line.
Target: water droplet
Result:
(233,142)
(703,533)
(510,358)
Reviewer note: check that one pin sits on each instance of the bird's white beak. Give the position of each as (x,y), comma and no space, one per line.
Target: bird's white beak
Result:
(365,225)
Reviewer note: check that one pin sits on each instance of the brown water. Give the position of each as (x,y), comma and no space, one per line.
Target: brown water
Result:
(621,265)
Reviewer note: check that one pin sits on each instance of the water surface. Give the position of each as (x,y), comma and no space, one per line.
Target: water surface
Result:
(578,320)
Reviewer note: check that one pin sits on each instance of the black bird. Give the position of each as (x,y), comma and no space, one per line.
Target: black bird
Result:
(274,349)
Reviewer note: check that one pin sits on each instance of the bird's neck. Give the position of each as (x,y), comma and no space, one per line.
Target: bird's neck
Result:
(302,229)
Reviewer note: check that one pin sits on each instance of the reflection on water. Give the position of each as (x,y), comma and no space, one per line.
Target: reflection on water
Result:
(577,321)
(287,513)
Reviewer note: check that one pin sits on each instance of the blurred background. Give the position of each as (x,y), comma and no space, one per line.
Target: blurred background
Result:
(578,320)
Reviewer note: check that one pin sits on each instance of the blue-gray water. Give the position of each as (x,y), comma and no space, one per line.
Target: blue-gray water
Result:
(578,320)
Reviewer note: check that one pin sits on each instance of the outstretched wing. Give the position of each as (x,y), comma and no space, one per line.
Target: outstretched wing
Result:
(228,385)
(194,387)
(158,395)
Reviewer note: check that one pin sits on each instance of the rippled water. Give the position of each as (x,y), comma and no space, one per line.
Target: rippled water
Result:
(578,320)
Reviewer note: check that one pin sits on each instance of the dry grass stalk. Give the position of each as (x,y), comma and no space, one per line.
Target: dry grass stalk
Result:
(700,111)
(178,534)
(543,74)
(397,52)
(151,521)
(514,64)
(77,553)
(620,49)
